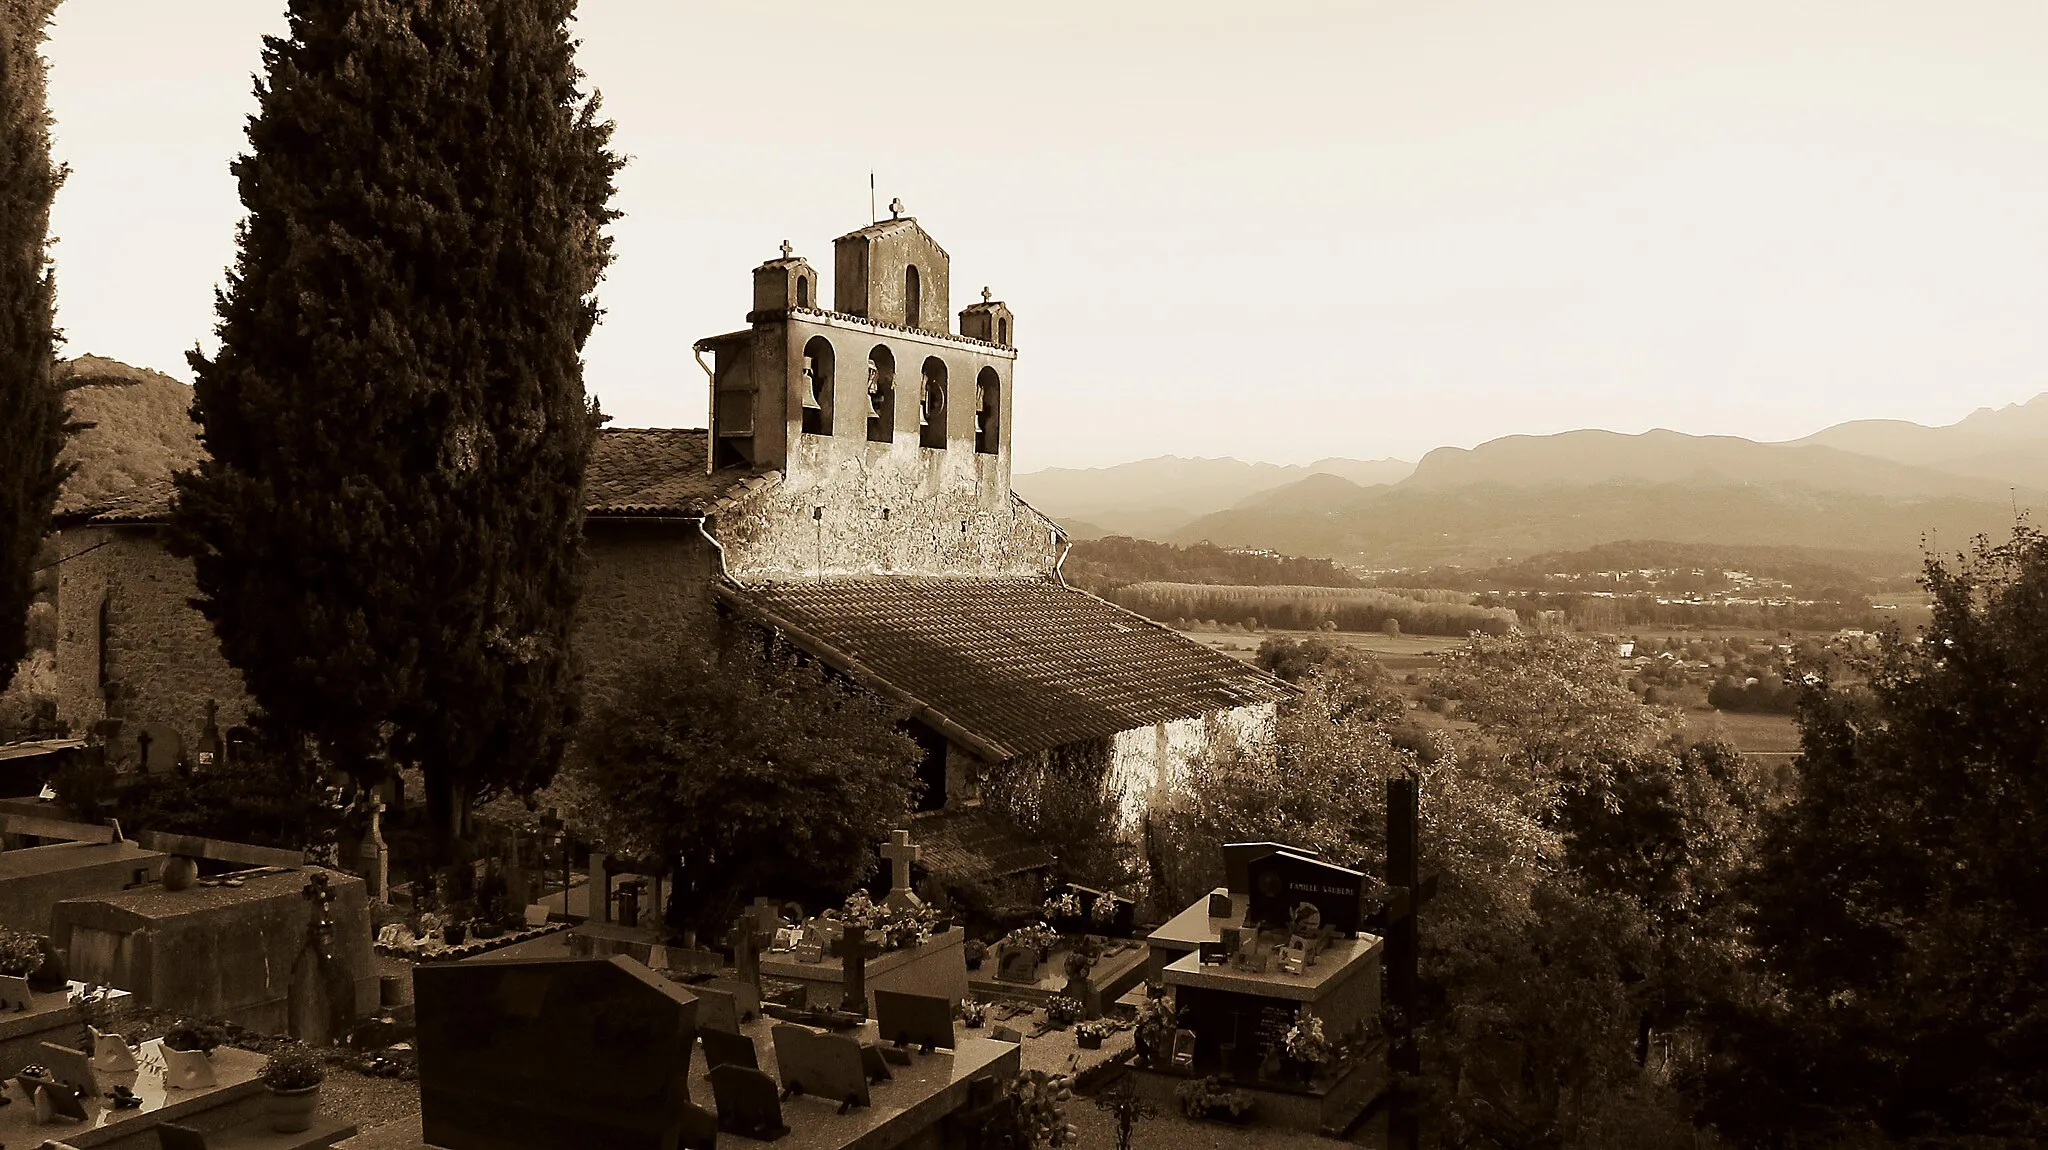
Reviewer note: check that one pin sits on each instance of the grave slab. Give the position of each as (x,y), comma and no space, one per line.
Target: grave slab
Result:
(34,879)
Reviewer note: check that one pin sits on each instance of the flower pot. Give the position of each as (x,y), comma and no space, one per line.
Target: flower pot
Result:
(1089,1041)
(454,933)
(180,873)
(291,1111)
(974,964)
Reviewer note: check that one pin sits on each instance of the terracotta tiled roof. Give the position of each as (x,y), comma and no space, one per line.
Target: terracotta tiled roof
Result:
(1007,666)
(972,844)
(639,471)
(634,471)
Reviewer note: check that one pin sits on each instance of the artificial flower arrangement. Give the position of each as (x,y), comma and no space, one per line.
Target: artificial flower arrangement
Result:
(1211,1098)
(1061,1009)
(1040,937)
(1305,1041)
(1090,1034)
(1103,909)
(973,1013)
(1067,905)
(893,929)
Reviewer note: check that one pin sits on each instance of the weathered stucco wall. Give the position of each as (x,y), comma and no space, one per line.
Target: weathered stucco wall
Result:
(160,660)
(1152,762)
(645,585)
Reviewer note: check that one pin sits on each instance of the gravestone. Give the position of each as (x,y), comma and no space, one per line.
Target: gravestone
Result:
(1284,885)
(746,996)
(717,1011)
(826,1066)
(748,1104)
(1238,856)
(746,940)
(543,1053)
(1017,964)
(375,856)
(901,853)
(722,1049)
(854,953)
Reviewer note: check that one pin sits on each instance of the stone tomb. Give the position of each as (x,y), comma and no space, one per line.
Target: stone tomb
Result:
(908,1110)
(538,1054)
(241,954)
(34,879)
(937,966)
(51,1017)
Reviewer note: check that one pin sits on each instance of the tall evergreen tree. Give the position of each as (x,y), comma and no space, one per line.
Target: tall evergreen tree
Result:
(386,532)
(33,422)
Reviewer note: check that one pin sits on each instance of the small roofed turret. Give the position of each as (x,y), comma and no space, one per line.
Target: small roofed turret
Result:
(782,284)
(989,321)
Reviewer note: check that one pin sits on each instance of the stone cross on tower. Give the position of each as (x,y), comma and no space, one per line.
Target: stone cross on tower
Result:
(787,250)
(987,295)
(901,852)
(896,208)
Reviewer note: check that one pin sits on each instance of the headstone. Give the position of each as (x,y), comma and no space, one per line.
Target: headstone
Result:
(1017,964)
(70,1067)
(696,1128)
(1238,856)
(1219,904)
(748,1104)
(1287,888)
(823,1065)
(901,852)
(15,996)
(745,940)
(1082,989)
(767,916)
(924,1021)
(376,858)
(543,1053)
(536,914)
(746,996)
(1006,1034)
(111,1053)
(716,1011)
(722,1049)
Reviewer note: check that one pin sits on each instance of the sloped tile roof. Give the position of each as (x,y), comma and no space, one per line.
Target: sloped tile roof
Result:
(973,844)
(652,471)
(1017,665)
(634,471)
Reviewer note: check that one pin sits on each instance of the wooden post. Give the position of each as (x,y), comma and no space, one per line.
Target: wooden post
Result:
(1404,1129)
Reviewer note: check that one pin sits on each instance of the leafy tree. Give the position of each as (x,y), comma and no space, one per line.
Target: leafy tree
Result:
(33,422)
(749,775)
(385,532)
(1900,899)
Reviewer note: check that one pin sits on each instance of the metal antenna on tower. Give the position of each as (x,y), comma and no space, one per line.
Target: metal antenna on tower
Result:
(872,217)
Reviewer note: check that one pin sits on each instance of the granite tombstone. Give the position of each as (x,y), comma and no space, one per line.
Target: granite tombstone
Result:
(1287,889)
(748,1104)
(537,1054)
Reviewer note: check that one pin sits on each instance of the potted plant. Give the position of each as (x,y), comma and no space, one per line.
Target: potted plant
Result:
(1091,1034)
(973,1013)
(1306,1045)
(1062,1009)
(195,1036)
(975,951)
(1209,1098)
(1157,1019)
(293,1075)
(21,954)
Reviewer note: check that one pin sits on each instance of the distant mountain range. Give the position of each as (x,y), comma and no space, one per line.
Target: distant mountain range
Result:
(1876,488)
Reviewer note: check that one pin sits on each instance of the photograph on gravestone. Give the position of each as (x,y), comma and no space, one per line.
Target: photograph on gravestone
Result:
(1287,887)
(542,1053)
(723,1049)
(748,1103)
(921,1020)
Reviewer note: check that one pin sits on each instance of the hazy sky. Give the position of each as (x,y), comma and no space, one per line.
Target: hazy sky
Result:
(1278,231)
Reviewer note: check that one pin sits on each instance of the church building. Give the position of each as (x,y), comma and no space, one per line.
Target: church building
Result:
(851,493)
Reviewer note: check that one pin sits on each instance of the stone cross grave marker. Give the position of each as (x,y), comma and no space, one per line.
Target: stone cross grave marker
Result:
(745,941)
(901,852)
(854,951)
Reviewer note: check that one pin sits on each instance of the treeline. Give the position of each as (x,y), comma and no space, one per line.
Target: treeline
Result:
(1814,573)
(1315,608)
(1099,565)
(1623,612)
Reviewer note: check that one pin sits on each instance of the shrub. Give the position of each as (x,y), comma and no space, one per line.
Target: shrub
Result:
(21,953)
(200,1034)
(293,1066)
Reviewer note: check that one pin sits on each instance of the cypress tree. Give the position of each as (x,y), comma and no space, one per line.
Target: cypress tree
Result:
(386,532)
(33,421)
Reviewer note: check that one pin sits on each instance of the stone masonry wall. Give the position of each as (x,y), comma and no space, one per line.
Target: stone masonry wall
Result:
(646,583)
(161,661)
(849,509)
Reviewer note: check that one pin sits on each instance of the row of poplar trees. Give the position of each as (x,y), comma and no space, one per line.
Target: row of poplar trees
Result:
(385,530)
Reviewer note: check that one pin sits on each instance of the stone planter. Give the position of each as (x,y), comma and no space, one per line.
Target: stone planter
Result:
(292,1111)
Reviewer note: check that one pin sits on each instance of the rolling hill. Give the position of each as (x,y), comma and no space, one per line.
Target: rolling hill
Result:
(1152,498)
